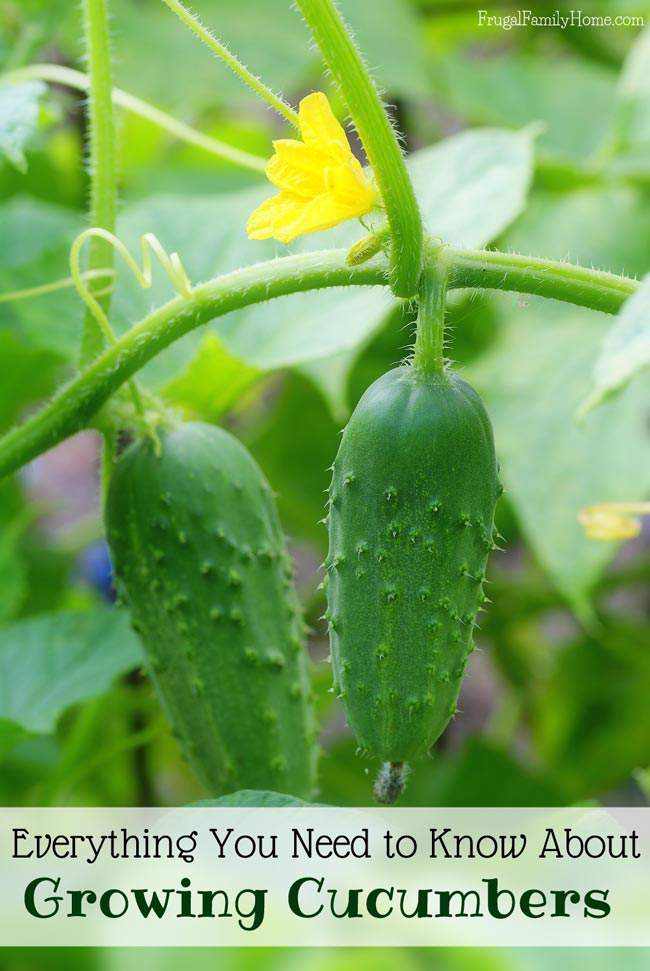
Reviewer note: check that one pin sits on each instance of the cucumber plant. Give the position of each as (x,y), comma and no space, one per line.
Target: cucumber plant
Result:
(197,546)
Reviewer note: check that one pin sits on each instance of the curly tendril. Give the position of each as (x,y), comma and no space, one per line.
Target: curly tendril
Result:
(149,244)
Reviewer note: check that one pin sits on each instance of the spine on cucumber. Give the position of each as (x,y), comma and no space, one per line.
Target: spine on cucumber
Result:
(411,512)
(199,556)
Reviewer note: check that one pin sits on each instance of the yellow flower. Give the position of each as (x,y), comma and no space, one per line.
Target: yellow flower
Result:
(613,520)
(321,182)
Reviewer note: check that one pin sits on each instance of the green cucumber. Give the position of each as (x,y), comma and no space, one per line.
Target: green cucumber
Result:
(411,519)
(199,556)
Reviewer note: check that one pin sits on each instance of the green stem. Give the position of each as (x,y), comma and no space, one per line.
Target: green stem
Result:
(378,137)
(102,163)
(55,74)
(28,293)
(429,348)
(493,270)
(233,62)
(74,407)
(77,403)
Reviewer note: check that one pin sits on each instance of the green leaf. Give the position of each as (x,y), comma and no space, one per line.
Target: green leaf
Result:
(472,186)
(10,735)
(625,351)
(539,373)
(29,229)
(35,239)
(212,382)
(295,443)
(53,661)
(28,374)
(592,726)
(253,798)
(532,382)
(513,90)
(19,111)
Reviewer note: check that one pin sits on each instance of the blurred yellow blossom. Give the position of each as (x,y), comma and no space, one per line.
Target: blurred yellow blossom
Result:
(613,520)
(321,182)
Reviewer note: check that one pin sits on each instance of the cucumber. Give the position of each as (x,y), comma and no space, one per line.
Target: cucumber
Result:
(200,558)
(411,520)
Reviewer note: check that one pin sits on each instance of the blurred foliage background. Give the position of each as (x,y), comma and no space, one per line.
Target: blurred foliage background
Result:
(541,144)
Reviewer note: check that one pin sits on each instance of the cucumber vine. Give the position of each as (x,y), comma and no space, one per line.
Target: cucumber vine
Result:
(407,265)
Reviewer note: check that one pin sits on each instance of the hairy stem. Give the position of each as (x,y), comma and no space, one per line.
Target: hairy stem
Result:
(429,348)
(378,137)
(74,407)
(493,270)
(102,162)
(233,62)
(55,74)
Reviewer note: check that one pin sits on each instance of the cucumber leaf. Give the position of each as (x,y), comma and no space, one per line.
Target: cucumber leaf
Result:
(35,239)
(212,383)
(538,374)
(532,382)
(19,113)
(509,88)
(625,350)
(53,661)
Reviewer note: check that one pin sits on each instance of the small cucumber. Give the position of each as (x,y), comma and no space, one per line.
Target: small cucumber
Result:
(411,513)
(199,556)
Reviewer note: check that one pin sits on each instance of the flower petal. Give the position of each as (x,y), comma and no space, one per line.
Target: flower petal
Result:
(323,212)
(609,521)
(350,185)
(276,218)
(320,129)
(321,182)
(297,167)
